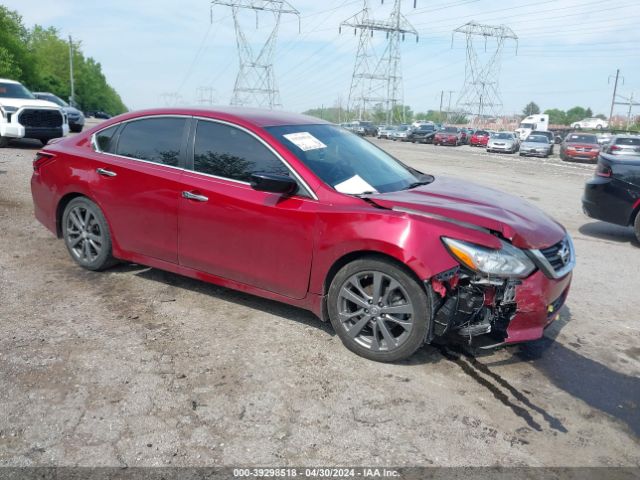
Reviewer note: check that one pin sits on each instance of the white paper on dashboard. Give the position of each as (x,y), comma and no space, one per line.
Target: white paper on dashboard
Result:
(305,141)
(354,186)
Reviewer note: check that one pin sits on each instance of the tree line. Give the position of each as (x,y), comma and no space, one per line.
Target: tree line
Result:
(39,59)
(562,117)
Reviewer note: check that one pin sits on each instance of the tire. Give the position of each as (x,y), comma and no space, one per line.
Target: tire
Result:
(361,322)
(89,247)
(44,141)
(598,127)
(4,142)
(76,129)
(522,154)
(636,226)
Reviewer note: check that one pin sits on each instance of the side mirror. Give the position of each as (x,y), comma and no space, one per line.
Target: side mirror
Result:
(268,182)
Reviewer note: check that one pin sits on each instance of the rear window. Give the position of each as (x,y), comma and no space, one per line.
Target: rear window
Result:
(582,138)
(628,141)
(155,140)
(537,139)
(482,133)
(451,129)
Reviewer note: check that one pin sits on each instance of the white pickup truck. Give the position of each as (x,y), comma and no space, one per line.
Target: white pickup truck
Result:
(24,116)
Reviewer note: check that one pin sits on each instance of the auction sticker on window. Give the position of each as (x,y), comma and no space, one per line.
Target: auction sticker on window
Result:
(305,141)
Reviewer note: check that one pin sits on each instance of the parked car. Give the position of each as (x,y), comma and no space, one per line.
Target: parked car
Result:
(385,131)
(594,123)
(298,210)
(623,145)
(613,194)
(465,135)
(550,135)
(74,116)
(536,146)
(422,134)
(604,138)
(479,138)
(22,115)
(98,114)
(503,142)
(401,133)
(447,136)
(580,146)
(366,129)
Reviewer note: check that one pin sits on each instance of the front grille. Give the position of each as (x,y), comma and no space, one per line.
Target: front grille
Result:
(40,118)
(558,255)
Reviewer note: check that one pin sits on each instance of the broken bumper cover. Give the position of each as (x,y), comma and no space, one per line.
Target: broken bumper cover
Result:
(539,300)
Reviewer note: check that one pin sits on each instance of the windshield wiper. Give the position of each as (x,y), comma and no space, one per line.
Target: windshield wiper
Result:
(417,184)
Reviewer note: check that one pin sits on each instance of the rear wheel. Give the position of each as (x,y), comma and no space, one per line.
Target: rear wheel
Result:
(378,310)
(636,226)
(86,235)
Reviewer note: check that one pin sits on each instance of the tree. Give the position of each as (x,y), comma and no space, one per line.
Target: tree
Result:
(531,109)
(588,113)
(575,114)
(556,116)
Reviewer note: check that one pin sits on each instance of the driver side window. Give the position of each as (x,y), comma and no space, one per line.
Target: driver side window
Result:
(228,152)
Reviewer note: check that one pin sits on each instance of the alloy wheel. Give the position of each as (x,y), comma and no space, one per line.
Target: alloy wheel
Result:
(375,311)
(84,235)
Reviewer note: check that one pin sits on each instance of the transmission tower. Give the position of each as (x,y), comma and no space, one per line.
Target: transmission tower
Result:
(171,99)
(480,95)
(378,79)
(205,95)
(255,83)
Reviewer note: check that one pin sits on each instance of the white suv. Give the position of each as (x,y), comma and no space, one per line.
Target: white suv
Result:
(596,123)
(24,116)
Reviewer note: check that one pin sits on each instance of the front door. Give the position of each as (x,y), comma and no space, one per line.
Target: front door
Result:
(230,230)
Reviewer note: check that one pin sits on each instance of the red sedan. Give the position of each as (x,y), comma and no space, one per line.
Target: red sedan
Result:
(480,138)
(298,210)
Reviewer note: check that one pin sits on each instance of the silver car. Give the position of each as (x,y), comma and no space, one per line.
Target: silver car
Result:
(536,145)
(503,142)
(385,131)
(401,133)
(623,145)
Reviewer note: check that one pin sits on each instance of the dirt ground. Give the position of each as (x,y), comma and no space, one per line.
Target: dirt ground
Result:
(137,367)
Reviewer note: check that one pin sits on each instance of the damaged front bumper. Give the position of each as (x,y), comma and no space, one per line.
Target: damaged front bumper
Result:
(488,312)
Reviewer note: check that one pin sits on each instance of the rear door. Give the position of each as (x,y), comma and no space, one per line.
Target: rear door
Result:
(228,229)
(136,181)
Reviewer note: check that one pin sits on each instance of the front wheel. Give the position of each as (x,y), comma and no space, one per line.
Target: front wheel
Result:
(4,142)
(378,310)
(86,234)
(636,226)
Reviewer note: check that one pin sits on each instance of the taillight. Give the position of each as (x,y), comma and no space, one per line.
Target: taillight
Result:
(603,170)
(614,148)
(41,160)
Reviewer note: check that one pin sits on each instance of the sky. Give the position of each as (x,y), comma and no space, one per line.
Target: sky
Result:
(567,50)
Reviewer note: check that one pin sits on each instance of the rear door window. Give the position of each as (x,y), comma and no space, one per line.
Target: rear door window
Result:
(156,140)
(228,152)
(103,140)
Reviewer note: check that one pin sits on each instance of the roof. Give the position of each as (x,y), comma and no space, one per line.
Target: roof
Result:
(6,80)
(255,116)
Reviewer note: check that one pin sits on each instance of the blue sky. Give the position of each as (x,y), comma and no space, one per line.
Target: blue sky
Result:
(567,48)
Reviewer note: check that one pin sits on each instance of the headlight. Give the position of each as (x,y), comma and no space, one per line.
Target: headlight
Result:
(508,261)
(4,110)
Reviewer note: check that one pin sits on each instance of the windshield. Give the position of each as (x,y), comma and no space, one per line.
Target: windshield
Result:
(346,162)
(54,99)
(14,90)
(503,136)
(582,139)
(537,139)
(527,125)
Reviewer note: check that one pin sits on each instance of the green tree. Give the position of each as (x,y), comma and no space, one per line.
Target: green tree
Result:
(575,114)
(556,116)
(588,113)
(15,61)
(531,109)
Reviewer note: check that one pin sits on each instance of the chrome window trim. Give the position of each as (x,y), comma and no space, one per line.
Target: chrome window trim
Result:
(269,147)
(548,269)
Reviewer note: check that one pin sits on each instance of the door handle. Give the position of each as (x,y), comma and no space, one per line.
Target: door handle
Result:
(194,196)
(106,173)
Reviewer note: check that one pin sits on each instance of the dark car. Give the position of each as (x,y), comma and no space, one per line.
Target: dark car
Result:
(447,136)
(613,194)
(299,210)
(422,134)
(74,116)
(98,114)
(580,146)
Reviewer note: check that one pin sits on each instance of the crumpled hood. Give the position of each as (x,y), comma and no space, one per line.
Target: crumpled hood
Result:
(525,225)
(26,102)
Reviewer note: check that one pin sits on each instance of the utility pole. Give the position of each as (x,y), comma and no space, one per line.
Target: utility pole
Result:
(378,79)
(72,98)
(628,101)
(615,89)
(441,95)
(480,91)
(256,83)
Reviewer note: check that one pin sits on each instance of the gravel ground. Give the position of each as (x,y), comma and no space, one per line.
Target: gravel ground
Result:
(137,367)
